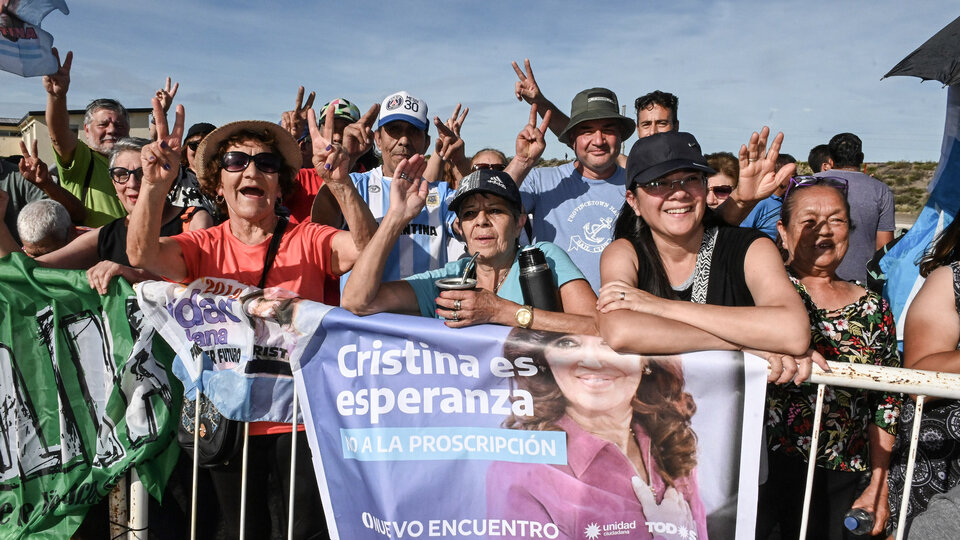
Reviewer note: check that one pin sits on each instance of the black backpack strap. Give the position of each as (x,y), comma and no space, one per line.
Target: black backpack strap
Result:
(86,181)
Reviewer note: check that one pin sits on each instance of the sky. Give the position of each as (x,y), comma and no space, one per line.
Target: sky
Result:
(810,69)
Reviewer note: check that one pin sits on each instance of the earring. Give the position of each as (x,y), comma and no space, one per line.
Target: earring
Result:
(647,370)
(219,199)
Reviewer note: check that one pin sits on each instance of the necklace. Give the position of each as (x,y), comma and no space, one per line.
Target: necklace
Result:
(502,278)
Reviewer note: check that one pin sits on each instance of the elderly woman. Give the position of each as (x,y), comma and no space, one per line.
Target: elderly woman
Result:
(103,251)
(248,166)
(631,453)
(849,324)
(721,184)
(487,204)
(931,341)
(688,283)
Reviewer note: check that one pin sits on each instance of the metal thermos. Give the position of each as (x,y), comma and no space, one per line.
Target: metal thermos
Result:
(536,280)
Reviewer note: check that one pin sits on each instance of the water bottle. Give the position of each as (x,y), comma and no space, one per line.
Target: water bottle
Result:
(858,521)
(536,280)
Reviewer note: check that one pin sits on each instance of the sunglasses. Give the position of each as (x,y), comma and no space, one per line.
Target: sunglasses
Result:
(807,181)
(193,145)
(120,175)
(689,184)
(721,192)
(239,161)
(491,166)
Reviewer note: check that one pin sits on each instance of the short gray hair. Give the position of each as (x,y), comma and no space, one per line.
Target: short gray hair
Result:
(108,104)
(43,219)
(127,144)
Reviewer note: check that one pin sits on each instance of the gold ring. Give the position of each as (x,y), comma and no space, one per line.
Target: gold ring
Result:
(456,315)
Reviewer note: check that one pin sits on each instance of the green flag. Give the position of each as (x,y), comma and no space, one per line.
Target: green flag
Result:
(85,395)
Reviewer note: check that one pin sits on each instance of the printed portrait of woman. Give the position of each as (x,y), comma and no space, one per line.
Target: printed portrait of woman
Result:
(631,451)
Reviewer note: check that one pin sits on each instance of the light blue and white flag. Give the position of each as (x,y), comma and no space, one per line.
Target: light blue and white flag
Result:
(25,49)
(900,263)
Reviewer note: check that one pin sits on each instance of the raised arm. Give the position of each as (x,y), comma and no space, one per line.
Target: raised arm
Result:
(364,294)
(332,162)
(64,140)
(528,90)
(159,160)
(530,146)
(36,171)
(758,176)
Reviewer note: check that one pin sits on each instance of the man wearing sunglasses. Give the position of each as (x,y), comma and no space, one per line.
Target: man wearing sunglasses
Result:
(401,133)
(871,206)
(83,164)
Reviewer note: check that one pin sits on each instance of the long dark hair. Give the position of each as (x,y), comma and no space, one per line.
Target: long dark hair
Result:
(651,276)
(660,404)
(944,250)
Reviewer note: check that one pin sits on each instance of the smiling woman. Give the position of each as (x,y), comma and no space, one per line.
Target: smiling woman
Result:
(631,453)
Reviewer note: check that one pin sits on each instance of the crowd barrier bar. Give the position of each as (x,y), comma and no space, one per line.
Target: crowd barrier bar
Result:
(867,377)
(884,379)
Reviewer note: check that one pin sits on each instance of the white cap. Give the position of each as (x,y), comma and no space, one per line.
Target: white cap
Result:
(402,106)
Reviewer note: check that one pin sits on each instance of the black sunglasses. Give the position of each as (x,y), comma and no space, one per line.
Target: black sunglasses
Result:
(721,191)
(239,161)
(193,145)
(491,166)
(120,175)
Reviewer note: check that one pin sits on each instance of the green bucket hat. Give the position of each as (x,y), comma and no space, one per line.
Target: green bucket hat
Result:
(596,104)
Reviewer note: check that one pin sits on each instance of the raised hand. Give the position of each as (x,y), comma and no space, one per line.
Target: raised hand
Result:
(294,121)
(526,88)
(758,175)
(449,144)
(166,95)
(32,167)
(160,159)
(530,140)
(329,158)
(358,136)
(57,84)
(408,189)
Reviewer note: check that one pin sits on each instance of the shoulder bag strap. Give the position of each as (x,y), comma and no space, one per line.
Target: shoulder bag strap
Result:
(272,250)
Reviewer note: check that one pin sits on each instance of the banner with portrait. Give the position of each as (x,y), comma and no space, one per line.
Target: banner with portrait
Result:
(419,430)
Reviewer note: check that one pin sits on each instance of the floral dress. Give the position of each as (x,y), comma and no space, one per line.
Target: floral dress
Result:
(937,468)
(859,333)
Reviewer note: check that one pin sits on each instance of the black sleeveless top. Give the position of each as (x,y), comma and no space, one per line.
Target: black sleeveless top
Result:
(112,240)
(727,285)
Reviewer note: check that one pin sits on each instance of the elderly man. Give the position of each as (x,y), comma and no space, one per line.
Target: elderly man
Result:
(83,164)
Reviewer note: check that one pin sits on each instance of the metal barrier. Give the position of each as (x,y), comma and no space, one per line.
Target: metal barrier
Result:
(866,377)
(884,379)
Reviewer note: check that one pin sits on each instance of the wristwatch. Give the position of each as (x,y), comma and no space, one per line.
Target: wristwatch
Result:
(525,316)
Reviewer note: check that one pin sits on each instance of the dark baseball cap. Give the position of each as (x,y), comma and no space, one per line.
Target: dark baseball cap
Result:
(201,128)
(596,104)
(486,181)
(663,153)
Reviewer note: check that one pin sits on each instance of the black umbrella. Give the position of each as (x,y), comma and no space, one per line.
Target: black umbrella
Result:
(937,59)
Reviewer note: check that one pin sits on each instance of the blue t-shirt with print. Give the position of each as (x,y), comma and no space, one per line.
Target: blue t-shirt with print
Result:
(576,213)
(764,216)
(424,284)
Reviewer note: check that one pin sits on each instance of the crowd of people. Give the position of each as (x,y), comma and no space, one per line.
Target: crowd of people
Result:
(660,251)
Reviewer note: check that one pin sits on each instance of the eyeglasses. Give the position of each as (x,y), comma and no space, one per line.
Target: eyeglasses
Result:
(492,166)
(721,192)
(689,184)
(120,175)
(239,161)
(193,145)
(807,181)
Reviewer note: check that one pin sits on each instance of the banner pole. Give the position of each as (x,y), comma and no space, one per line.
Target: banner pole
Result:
(196,465)
(139,508)
(293,468)
(911,459)
(812,460)
(118,507)
(243,482)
